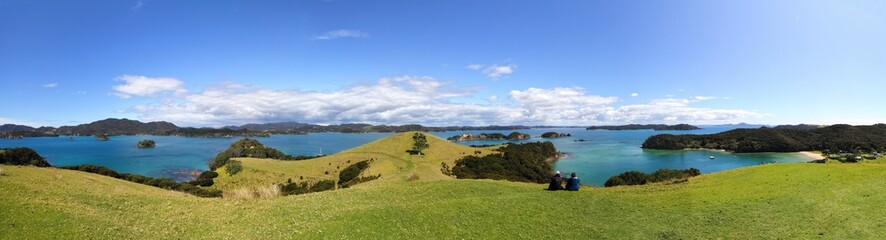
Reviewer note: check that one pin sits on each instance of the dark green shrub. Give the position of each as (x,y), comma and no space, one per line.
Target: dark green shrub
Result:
(165,183)
(22,156)
(323,185)
(208,175)
(233,167)
(639,178)
(526,162)
(351,172)
(614,181)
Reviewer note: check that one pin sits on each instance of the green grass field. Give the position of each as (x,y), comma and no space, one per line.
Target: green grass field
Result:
(390,160)
(787,201)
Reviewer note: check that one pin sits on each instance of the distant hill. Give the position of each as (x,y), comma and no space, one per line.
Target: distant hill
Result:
(297,127)
(835,138)
(798,126)
(113,126)
(656,127)
(281,126)
(737,125)
(15,128)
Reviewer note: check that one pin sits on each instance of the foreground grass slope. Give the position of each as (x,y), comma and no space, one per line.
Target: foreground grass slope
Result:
(390,160)
(839,201)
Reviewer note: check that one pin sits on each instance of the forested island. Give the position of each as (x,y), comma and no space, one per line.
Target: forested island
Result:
(513,136)
(834,138)
(656,127)
(555,135)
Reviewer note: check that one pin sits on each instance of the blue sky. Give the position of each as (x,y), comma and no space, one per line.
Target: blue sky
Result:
(216,63)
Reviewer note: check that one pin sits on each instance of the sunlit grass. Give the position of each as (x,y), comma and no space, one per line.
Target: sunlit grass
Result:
(389,155)
(841,201)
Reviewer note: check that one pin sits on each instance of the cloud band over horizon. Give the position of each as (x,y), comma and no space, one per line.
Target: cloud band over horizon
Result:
(402,100)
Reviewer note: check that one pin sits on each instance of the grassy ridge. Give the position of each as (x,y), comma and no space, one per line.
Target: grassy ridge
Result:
(391,161)
(768,201)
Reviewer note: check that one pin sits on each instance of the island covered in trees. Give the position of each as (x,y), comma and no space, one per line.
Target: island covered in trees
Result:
(656,127)
(513,136)
(834,138)
(147,143)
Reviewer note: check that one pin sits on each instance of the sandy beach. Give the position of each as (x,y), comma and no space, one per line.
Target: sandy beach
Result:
(812,155)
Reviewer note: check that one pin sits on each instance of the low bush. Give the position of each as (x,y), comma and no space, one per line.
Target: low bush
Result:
(296,188)
(233,167)
(639,178)
(352,172)
(164,183)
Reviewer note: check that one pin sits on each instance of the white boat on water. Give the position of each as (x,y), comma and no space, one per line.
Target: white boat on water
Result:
(711,157)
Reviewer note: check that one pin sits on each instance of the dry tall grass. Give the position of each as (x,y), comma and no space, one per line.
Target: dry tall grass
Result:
(268,192)
(1,172)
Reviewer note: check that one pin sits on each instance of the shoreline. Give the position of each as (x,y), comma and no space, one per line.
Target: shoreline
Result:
(811,155)
(808,154)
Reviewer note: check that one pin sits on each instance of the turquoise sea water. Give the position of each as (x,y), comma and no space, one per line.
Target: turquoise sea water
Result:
(605,153)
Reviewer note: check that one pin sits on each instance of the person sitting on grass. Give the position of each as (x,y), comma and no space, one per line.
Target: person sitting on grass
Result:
(572,183)
(556,182)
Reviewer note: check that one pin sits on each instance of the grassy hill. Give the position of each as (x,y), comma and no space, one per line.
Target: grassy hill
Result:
(799,200)
(391,161)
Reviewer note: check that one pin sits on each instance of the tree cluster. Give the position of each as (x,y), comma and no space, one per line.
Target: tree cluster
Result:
(639,178)
(22,156)
(835,138)
(246,147)
(526,162)
(164,183)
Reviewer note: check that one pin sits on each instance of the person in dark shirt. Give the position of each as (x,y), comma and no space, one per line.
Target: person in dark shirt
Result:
(572,183)
(556,182)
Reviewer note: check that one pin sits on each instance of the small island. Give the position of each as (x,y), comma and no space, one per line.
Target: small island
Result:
(490,136)
(102,137)
(147,143)
(555,135)
(656,127)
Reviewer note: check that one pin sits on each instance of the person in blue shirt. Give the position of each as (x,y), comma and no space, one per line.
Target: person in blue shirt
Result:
(572,183)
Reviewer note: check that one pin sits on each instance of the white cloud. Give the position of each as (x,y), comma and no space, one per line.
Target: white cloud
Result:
(138,5)
(50,85)
(561,105)
(495,71)
(416,99)
(146,86)
(635,94)
(675,111)
(704,98)
(341,33)
(475,67)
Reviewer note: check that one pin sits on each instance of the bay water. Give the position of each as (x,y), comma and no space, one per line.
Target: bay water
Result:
(602,154)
